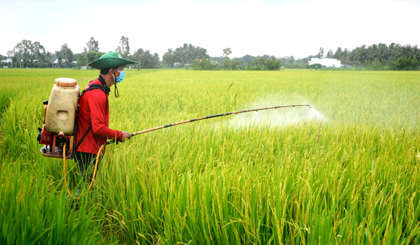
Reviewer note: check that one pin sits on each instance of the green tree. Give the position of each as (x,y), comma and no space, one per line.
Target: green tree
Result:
(345,57)
(29,54)
(338,53)
(38,53)
(404,64)
(145,59)
(149,60)
(248,58)
(227,63)
(321,53)
(23,53)
(235,64)
(138,56)
(124,48)
(227,52)
(81,59)
(156,60)
(10,53)
(203,64)
(359,55)
(92,45)
(49,58)
(273,63)
(18,52)
(58,56)
(92,56)
(394,51)
(187,53)
(169,57)
(383,52)
(90,52)
(330,54)
(67,55)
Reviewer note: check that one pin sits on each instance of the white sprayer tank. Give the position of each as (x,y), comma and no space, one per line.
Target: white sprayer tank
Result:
(62,106)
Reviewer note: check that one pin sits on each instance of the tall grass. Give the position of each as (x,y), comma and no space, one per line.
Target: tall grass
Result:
(353,178)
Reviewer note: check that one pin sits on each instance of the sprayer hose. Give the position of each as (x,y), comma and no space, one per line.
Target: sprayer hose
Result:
(94,172)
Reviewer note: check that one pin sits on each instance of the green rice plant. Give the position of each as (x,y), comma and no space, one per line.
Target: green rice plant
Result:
(35,212)
(279,177)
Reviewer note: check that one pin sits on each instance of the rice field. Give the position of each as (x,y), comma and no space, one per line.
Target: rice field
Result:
(345,172)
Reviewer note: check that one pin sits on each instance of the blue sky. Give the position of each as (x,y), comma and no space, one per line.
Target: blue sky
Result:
(280,28)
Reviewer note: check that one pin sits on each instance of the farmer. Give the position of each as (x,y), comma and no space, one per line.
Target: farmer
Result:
(93,112)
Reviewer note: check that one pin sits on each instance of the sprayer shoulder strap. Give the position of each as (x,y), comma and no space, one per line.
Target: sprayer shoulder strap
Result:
(92,87)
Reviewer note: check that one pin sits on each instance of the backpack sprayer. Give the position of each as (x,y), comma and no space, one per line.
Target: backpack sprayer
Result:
(59,117)
(60,112)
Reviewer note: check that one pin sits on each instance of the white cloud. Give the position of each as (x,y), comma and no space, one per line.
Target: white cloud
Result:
(296,28)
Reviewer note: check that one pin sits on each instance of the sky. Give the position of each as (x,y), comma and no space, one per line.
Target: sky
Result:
(281,28)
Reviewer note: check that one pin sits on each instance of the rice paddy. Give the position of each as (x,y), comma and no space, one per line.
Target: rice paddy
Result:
(346,172)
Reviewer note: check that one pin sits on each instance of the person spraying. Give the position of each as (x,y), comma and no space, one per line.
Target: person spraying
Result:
(92,128)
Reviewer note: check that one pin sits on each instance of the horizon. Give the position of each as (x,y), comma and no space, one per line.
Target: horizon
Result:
(257,28)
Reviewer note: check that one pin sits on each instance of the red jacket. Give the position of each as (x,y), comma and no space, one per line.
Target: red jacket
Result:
(94,109)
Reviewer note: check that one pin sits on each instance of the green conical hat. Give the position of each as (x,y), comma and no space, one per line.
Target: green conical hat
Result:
(110,60)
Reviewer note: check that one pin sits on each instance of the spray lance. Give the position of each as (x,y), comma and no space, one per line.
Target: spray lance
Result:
(207,117)
(167,126)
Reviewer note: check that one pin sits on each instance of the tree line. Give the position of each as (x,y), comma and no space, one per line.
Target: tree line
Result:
(247,62)
(374,57)
(380,56)
(28,54)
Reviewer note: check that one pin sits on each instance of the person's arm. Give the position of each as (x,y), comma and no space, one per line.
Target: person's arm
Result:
(97,103)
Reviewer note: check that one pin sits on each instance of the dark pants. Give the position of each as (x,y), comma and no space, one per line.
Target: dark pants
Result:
(86,163)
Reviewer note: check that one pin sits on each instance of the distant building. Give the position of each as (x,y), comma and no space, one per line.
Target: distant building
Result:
(325,62)
(62,61)
(8,60)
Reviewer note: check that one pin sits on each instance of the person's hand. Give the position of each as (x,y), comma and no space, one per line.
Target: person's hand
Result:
(126,136)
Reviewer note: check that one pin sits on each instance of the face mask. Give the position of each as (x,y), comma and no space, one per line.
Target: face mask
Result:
(121,77)
(118,80)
